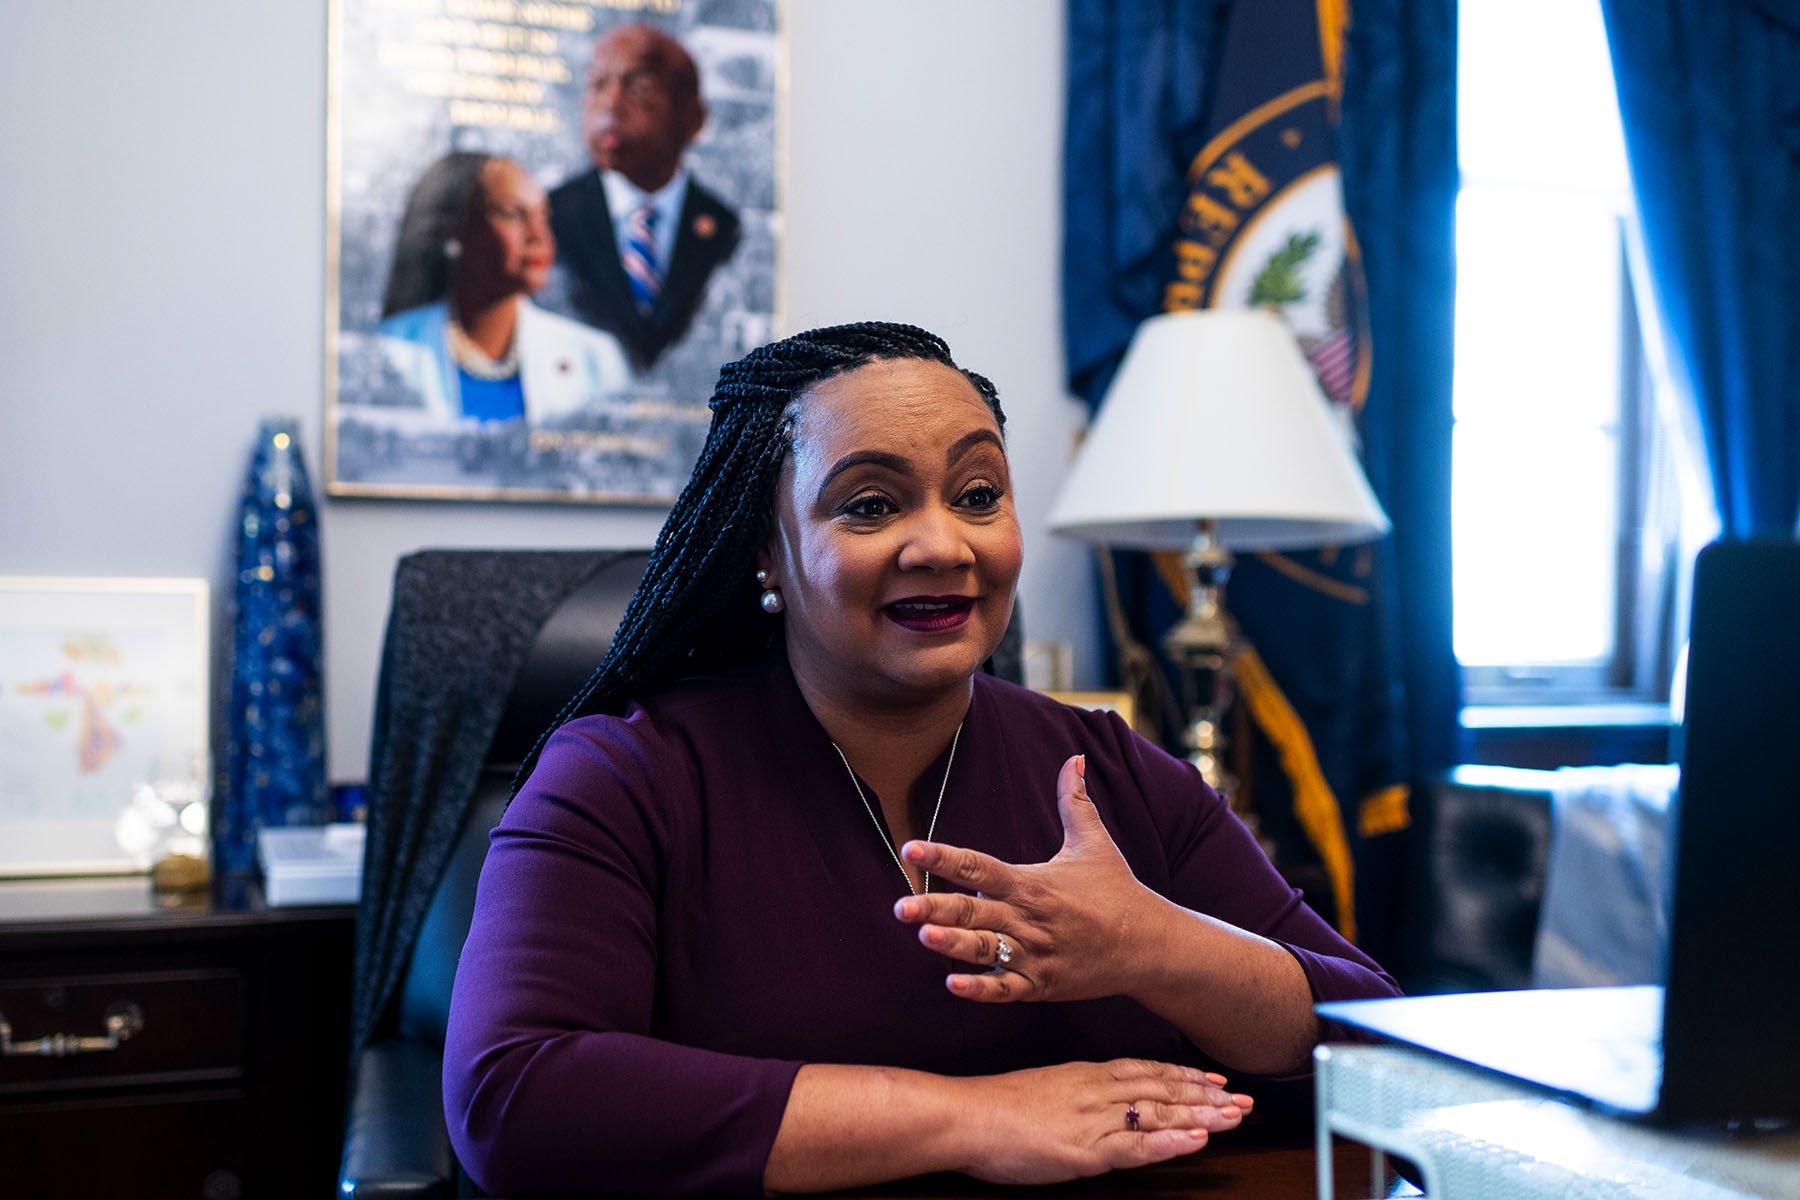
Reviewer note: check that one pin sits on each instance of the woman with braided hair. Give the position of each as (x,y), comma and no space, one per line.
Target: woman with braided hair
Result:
(796,898)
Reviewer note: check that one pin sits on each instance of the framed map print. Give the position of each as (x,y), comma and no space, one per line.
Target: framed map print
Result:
(103,723)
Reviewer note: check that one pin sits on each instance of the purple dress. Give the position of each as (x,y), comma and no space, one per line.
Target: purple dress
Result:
(685,904)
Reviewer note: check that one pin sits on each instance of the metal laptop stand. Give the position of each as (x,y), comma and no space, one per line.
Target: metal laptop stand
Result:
(1474,1134)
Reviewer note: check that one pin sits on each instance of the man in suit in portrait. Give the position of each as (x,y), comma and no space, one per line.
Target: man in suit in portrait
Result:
(638,235)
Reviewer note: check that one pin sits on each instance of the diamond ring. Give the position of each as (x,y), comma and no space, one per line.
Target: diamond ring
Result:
(1131,1117)
(1003,951)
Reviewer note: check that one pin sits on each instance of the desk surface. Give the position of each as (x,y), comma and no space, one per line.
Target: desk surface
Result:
(41,909)
(1264,1162)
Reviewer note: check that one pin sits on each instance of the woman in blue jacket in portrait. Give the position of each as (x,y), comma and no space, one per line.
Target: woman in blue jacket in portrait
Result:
(458,323)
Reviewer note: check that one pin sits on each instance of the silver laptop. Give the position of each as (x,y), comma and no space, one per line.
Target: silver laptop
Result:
(1720,1041)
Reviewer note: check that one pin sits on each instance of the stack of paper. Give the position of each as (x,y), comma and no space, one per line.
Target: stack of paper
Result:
(312,864)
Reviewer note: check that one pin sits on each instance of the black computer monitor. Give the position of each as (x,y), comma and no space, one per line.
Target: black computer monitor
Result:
(1731,1021)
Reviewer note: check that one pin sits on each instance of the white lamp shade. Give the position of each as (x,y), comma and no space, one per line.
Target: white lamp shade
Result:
(1216,415)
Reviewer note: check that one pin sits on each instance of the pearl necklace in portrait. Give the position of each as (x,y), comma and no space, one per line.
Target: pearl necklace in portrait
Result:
(474,359)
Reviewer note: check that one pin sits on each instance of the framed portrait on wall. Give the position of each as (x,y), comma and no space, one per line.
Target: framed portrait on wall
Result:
(103,723)
(550,222)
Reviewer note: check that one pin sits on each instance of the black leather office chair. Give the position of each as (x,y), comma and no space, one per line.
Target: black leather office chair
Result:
(396,1143)
(1481,850)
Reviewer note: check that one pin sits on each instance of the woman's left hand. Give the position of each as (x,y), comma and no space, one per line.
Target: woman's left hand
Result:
(1077,927)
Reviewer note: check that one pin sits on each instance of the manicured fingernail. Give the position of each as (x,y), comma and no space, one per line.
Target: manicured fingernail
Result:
(931,935)
(913,852)
(1199,1135)
(1242,1099)
(906,908)
(1081,767)
(1215,1077)
(957,983)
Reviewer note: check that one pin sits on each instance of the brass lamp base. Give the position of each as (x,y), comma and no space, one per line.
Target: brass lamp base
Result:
(1205,644)
(1202,645)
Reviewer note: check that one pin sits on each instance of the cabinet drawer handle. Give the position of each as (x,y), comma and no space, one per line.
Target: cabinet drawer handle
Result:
(124,1020)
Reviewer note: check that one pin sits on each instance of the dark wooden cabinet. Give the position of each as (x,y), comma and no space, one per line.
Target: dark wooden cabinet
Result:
(228,1080)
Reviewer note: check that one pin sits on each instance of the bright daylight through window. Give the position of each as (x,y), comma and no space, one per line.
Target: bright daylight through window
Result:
(1563,506)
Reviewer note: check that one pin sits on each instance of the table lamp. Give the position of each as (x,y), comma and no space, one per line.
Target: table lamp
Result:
(1215,437)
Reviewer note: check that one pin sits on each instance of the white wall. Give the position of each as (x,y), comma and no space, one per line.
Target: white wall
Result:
(162,280)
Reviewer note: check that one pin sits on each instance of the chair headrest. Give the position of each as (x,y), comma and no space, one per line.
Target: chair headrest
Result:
(569,645)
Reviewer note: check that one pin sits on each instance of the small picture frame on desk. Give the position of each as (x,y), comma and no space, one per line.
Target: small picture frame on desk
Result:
(1119,702)
(103,724)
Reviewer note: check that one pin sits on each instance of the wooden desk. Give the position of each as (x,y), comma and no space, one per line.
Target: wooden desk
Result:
(1264,1160)
(1270,1162)
(231,1086)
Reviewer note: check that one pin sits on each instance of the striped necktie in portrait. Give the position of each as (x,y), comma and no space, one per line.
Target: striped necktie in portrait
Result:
(641,268)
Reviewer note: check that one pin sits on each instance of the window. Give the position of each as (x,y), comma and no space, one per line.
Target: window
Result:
(1565,511)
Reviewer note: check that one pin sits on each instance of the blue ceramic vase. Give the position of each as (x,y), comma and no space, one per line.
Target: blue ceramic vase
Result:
(275,740)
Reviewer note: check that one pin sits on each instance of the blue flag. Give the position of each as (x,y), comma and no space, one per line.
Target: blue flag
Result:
(1262,224)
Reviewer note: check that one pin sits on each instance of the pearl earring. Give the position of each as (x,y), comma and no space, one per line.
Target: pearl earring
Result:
(771,600)
(452,249)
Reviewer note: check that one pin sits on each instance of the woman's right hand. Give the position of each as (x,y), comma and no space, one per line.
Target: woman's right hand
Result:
(1064,1122)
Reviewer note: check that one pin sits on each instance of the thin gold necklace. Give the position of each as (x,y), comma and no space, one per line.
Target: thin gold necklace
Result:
(930,830)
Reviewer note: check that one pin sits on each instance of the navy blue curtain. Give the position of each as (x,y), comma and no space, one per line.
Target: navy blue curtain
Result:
(1140,85)
(1397,151)
(1141,77)
(1709,94)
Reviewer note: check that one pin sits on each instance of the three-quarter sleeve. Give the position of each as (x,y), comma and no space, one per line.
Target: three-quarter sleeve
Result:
(552,1080)
(1216,867)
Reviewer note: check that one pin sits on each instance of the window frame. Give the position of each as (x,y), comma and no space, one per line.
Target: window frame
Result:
(1644,641)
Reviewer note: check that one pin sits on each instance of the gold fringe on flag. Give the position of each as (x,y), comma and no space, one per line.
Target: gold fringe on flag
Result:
(1386,811)
(1315,806)
(1334,26)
